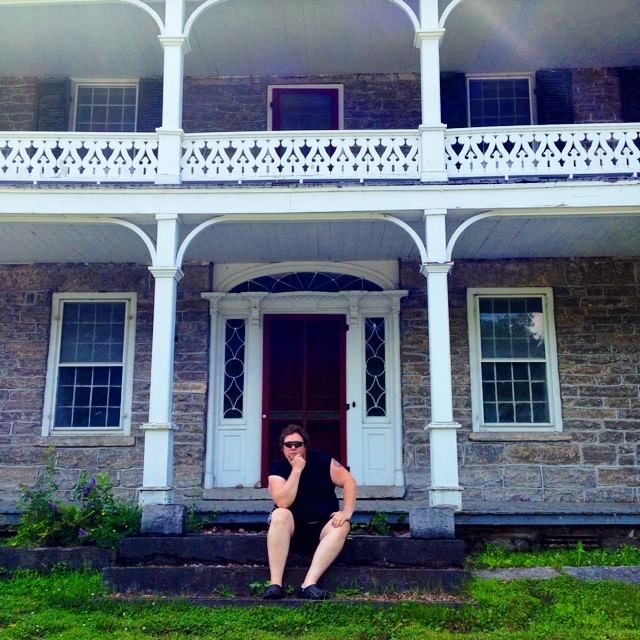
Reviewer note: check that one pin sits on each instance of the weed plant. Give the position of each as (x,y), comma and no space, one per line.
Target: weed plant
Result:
(95,518)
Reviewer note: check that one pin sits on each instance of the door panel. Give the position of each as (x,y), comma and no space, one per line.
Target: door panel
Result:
(304,382)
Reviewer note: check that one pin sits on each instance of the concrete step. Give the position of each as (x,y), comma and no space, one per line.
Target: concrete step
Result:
(251,549)
(205,580)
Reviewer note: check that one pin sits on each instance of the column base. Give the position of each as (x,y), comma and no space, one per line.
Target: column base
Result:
(164,519)
(155,495)
(432,522)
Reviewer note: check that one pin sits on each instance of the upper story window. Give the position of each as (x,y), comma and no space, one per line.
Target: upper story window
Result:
(499,101)
(102,106)
(89,380)
(514,379)
(305,107)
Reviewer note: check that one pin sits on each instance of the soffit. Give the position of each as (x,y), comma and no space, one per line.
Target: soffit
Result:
(492,238)
(300,37)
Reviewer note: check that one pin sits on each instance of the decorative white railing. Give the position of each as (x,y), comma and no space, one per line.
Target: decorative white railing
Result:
(317,155)
(86,157)
(560,150)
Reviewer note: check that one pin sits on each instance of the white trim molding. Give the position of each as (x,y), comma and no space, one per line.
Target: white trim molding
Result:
(48,415)
(374,447)
(550,361)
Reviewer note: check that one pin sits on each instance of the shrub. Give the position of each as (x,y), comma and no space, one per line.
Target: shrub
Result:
(96,518)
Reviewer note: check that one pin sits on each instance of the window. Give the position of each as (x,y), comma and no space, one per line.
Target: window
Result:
(499,101)
(90,360)
(514,381)
(105,106)
(305,108)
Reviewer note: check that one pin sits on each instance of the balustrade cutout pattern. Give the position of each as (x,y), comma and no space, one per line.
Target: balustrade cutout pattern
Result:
(543,151)
(301,156)
(105,157)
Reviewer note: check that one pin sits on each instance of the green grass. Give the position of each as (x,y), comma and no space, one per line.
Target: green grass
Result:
(494,557)
(74,606)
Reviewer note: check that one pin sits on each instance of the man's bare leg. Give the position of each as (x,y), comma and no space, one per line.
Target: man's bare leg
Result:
(332,540)
(278,539)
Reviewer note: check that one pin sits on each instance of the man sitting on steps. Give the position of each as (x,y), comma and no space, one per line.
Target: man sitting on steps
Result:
(306,514)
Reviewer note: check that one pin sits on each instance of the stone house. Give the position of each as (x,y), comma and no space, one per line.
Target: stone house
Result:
(411,225)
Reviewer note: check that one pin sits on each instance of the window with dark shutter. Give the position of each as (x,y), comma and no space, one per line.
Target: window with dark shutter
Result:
(630,94)
(149,104)
(453,99)
(52,105)
(554,93)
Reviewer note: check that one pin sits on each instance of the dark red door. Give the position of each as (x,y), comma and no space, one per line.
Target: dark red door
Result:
(304,382)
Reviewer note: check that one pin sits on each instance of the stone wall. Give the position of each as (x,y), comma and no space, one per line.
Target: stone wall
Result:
(596,95)
(371,101)
(17,103)
(597,318)
(25,319)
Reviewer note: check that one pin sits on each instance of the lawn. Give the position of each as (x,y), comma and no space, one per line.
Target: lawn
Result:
(74,606)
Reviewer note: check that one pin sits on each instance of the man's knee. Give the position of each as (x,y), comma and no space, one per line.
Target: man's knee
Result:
(281,516)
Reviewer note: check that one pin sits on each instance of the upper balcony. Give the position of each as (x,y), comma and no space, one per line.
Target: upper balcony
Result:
(318,90)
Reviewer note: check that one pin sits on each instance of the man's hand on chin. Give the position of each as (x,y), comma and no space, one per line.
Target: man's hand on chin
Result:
(298,462)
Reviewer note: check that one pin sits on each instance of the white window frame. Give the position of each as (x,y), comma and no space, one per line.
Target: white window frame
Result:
(271,87)
(48,426)
(505,76)
(76,83)
(551,356)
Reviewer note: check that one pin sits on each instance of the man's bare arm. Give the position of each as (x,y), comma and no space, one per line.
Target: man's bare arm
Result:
(342,478)
(283,492)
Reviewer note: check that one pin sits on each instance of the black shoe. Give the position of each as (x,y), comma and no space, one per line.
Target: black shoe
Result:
(273,592)
(312,592)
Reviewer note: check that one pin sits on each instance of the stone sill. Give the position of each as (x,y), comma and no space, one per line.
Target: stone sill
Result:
(86,441)
(529,436)
(249,493)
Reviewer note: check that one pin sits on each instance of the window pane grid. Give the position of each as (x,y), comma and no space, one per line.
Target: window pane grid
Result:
(234,366)
(499,102)
(88,396)
(106,108)
(90,365)
(513,361)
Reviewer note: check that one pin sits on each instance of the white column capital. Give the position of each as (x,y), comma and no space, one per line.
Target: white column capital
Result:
(167,272)
(426,35)
(175,41)
(429,268)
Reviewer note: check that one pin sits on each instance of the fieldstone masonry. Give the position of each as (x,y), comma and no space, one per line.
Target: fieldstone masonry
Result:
(17,103)
(597,317)
(25,318)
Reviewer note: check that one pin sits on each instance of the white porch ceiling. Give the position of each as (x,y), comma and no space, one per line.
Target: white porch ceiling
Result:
(492,238)
(281,37)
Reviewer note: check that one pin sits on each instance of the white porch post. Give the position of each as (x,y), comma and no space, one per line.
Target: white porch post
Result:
(157,480)
(174,44)
(445,488)
(431,130)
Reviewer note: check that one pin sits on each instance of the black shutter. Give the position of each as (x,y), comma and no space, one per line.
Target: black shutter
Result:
(453,99)
(149,104)
(52,105)
(630,94)
(554,94)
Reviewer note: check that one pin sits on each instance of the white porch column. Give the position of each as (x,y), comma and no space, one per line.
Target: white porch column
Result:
(174,44)
(445,488)
(157,480)
(431,130)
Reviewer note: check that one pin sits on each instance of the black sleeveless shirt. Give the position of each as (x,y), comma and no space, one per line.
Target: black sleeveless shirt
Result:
(316,499)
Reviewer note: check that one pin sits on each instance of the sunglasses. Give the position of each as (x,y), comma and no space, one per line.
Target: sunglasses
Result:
(293,444)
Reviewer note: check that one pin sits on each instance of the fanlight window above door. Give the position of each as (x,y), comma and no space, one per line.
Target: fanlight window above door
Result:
(306,281)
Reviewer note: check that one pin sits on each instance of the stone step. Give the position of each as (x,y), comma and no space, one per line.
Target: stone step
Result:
(205,580)
(251,549)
